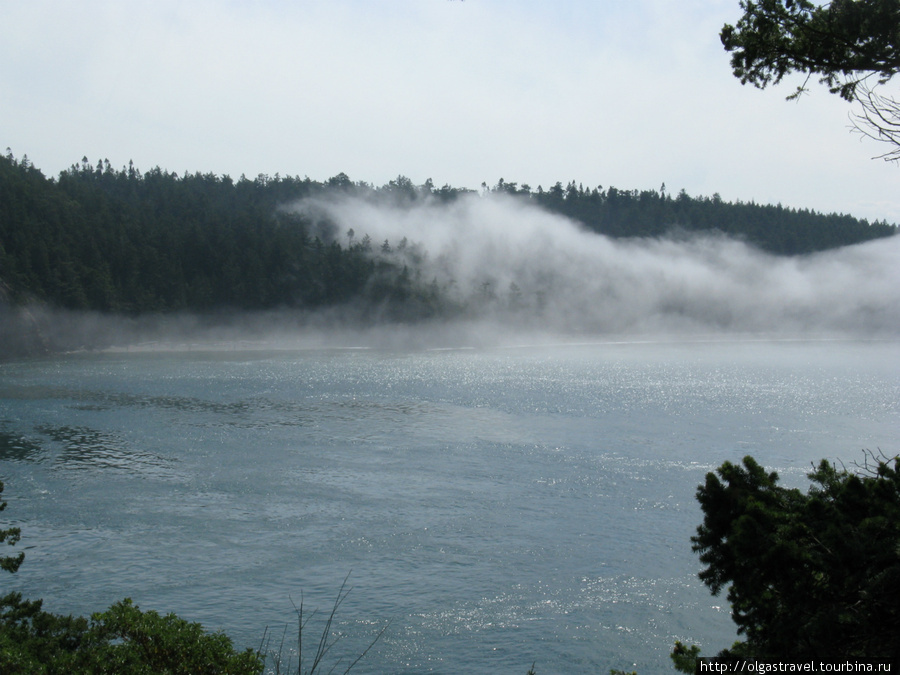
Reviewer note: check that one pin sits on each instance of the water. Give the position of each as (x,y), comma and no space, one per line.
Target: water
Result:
(499,506)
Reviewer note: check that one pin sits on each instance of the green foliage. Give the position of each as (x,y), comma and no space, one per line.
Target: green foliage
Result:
(147,642)
(685,658)
(121,641)
(131,243)
(650,213)
(843,41)
(11,536)
(813,575)
(852,46)
(35,642)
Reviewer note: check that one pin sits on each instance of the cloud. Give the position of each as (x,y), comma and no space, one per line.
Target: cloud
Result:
(558,275)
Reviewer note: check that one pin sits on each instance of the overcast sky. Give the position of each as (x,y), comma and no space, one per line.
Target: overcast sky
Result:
(629,93)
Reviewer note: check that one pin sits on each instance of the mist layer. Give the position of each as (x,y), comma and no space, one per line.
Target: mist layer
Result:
(512,262)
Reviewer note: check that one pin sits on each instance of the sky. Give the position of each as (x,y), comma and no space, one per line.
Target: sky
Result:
(626,93)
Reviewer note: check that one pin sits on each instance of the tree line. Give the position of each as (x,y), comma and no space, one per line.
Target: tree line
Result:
(127,242)
(655,213)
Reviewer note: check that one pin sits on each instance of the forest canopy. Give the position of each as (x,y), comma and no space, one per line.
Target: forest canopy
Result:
(123,241)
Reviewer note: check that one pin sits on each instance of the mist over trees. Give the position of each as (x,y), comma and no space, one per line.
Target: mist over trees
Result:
(131,243)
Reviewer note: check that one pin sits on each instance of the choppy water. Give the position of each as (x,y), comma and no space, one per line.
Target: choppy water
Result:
(500,507)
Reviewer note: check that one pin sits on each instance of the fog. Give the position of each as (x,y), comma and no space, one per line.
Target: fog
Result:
(517,275)
(530,268)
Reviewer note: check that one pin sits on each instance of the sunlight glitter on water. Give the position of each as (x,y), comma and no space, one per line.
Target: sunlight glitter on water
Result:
(500,506)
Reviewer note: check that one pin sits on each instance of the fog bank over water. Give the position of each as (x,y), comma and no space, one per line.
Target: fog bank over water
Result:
(512,274)
(534,269)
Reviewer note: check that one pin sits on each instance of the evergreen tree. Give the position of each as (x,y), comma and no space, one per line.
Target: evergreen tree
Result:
(11,536)
(130,243)
(853,46)
(809,576)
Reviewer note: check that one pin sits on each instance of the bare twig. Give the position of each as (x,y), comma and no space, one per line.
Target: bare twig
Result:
(327,640)
(879,119)
(871,462)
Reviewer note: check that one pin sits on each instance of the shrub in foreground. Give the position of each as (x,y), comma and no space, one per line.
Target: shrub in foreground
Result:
(811,576)
(120,641)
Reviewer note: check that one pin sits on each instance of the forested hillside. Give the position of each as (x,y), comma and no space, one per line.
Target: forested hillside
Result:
(122,241)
